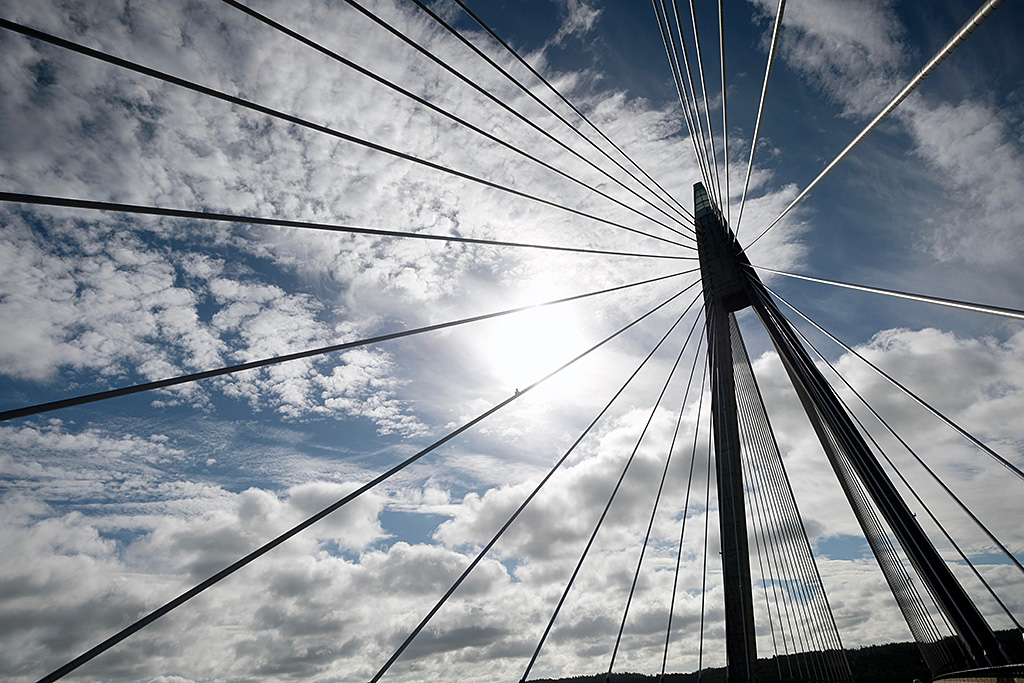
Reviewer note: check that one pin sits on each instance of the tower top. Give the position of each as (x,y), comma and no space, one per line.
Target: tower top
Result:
(702,203)
(722,261)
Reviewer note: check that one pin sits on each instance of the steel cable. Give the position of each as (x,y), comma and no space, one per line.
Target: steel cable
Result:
(725,109)
(661,487)
(42,200)
(689,80)
(908,598)
(924,404)
(598,525)
(310,521)
(686,512)
(969,26)
(1005,551)
(707,104)
(772,469)
(480,556)
(238,101)
(776,30)
(952,303)
(704,572)
(676,68)
(684,214)
(182,379)
(563,98)
(436,109)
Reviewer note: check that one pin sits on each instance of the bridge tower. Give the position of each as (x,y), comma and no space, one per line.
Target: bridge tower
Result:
(725,291)
(730,285)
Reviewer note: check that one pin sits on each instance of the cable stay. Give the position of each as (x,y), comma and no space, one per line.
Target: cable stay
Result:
(952,303)
(776,31)
(333,507)
(42,200)
(438,110)
(661,486)
(872,494)
(707,520)
(971,24)
(683,213)
(529,498)
(787,539)
(768,577)
(740,630)
(673,57)
(924,404)
(755,448)
(756,521)
(674,66)
(476,86)
(600,521)
(232,99)
(909,599)
(707,105)
(667,195)
(798,609)
(949,538)
(686,507)
(310,353)
(935,477)
(725,109)
(931,515)
(689,81)
(981,526)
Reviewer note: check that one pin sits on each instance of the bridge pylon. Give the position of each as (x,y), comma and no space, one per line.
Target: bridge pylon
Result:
(730,285)
(725,291)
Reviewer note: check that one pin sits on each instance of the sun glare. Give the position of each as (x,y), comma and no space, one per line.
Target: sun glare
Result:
(525,347)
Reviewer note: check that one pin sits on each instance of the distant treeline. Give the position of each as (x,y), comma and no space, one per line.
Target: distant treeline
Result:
(892,663)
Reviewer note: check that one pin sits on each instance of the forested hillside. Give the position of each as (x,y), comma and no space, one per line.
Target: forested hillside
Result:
(891,663)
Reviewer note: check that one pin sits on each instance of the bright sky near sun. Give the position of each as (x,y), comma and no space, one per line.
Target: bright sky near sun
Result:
(108,510)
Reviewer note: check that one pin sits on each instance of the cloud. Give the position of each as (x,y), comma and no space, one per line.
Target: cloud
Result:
(579,21)
(214,308)
(972,147)
(969,380)
(279,636)
(858,55)
(111,512)
(116,302)
(853,51)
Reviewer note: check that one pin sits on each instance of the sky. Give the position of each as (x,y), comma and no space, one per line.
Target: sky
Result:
(113,508)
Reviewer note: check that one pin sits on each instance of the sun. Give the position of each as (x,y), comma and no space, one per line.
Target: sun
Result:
(526,346)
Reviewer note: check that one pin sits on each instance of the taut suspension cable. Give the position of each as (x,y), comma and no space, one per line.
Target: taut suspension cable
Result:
(310,521)
(974,22)
(776,30)
(232,99)
(182,379)
(42,200)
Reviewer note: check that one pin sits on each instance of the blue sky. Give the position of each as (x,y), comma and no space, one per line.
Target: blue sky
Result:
(113,508)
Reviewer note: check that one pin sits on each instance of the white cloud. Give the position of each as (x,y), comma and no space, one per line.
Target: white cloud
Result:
(852,50)
(857,54)
(971,146)
(106,519)
(579,21)
(97,302)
